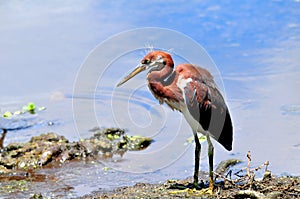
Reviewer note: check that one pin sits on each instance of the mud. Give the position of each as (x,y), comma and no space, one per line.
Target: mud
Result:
(19,163)
(271,187)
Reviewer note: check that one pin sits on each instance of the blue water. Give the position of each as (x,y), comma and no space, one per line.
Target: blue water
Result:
(254,44)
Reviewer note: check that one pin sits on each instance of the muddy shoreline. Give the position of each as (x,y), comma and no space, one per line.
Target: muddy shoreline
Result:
(273,188)
(20,164)
(245,186)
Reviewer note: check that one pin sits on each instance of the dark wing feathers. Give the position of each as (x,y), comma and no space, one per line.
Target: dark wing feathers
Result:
(206,105)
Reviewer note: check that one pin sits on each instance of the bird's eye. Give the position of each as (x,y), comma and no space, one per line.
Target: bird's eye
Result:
(146,61)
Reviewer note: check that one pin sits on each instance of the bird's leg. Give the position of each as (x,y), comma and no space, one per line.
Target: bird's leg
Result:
(197,159)
(211,162)
(4,131)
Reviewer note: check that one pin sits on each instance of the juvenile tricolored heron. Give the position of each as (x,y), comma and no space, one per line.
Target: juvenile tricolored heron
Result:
(191,90)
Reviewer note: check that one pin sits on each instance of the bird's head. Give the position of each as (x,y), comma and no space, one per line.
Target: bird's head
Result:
(155,60)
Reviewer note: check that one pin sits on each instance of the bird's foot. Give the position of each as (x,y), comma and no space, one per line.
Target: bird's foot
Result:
(208,191)
(189,192)
(192,189)
(196,185)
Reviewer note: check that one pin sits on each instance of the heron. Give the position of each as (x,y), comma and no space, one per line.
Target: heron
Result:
(191,90)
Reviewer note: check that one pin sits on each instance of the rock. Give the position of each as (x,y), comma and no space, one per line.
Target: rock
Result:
(50,137)
(136,143)
(249,194)
(267,175)
(274,195)
(37,196)
(224,166)
(51,148)
(3,169)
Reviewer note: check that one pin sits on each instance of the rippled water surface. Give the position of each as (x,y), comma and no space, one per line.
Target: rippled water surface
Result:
(255,46)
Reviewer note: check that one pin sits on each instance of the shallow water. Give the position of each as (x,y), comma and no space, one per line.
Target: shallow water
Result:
(255,45)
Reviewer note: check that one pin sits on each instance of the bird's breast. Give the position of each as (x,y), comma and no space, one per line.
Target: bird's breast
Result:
(182,82)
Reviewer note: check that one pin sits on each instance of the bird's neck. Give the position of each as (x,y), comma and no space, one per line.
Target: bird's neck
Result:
(160,75)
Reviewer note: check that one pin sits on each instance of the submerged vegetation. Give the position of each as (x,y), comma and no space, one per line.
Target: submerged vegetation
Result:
(18,119)
(29,108)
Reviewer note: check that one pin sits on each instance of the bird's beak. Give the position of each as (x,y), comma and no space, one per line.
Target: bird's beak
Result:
(137,70)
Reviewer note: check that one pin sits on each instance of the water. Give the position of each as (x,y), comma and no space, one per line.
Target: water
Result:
(254,44)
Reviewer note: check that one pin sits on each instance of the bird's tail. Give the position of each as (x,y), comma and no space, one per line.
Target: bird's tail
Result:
(226,137)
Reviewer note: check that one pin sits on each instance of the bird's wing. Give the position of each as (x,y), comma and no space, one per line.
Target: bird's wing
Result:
(207,106)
